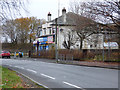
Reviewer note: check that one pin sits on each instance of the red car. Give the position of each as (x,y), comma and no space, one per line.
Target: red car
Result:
(5,54)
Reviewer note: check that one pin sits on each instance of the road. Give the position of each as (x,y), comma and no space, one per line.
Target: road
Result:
(53,75)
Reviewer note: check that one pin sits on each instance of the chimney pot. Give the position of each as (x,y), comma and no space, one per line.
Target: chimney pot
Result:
(49,16)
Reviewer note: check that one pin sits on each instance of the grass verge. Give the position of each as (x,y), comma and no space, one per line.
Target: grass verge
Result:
(11,79)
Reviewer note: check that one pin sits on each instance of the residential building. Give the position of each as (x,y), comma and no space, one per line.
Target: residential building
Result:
(65,28)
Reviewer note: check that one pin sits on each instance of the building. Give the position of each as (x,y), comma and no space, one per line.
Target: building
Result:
(65,30)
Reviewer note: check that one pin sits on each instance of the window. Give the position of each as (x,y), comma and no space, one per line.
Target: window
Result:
(53,30)
(95,45)
(40,32)
(44,31)
(44,47)
(90,46)
(50,31)
(61,30)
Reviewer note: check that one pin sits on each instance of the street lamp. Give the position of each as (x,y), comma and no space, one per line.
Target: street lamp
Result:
(56,49)
(37,48)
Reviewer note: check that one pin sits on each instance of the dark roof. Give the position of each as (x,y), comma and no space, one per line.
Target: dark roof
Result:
(70,20)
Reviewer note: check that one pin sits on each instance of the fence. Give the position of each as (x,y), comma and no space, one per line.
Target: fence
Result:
(68,58)
(70,55)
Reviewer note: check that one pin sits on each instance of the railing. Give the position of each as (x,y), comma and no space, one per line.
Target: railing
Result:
(65,58)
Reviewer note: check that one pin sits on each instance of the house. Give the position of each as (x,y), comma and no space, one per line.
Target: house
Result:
(65,31)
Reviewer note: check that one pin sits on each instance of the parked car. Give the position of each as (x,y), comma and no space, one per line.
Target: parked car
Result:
(5,54)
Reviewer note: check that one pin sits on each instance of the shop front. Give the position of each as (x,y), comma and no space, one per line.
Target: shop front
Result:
(44,43)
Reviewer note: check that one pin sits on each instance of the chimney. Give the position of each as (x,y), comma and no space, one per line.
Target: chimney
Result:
(63,11)
(64,14)
(49,16)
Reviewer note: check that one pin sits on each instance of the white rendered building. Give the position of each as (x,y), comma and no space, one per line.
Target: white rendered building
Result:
(65,27)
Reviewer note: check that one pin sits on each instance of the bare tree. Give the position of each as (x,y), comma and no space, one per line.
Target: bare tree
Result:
(70,39)
(11,8)
(9,30)
(21,30)
(34,27)
(106,12)
(84,26)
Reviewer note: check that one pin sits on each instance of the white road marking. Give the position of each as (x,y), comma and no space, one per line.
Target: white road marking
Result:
(32,79)
(48,76)
(16,66)
(71,85)
(10,65)
(19,67)
(31,70)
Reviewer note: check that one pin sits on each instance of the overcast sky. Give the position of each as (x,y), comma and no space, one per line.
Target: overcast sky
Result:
(40,8)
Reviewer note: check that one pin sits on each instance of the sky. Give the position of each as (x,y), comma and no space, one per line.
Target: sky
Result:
(40,8)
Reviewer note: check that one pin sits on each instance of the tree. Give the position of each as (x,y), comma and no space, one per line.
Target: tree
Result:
(106,12)
(11,8)
(84,26)
(22,30)
(69,39)
(9,31)
(22,26)
(34,27)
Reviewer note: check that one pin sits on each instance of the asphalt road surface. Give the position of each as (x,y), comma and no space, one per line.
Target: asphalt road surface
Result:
(53,75)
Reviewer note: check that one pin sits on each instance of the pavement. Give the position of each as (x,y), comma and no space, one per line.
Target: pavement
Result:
(111,65)
(100,64)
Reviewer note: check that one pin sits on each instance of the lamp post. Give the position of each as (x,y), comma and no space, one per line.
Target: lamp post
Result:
(37,48)
(56,48)
(103,44)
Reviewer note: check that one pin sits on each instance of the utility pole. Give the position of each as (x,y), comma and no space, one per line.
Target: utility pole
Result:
(37,48)
(58,8)
(56,48)
(102,29)
(58,21)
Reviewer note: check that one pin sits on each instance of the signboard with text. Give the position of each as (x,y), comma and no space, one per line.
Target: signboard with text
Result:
(50,39)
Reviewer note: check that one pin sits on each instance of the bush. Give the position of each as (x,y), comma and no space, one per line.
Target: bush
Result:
(50,54)
(90,55)
(115,56)
(76,54)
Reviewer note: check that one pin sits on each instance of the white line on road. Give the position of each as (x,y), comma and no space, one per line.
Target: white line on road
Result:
(16,66)
(19,67)
(48,76)
(71,85)
(32,79)
(10,65)
(31,70)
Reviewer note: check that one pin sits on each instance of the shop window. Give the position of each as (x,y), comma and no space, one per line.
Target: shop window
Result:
(39,48)
(47,47)
(44,47)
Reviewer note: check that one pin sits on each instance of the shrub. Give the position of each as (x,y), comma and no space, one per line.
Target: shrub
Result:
(90,55)
(76,54)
